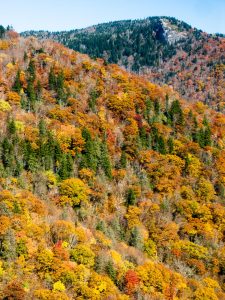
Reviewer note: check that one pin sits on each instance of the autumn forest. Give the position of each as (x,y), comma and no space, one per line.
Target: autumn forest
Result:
(111,186)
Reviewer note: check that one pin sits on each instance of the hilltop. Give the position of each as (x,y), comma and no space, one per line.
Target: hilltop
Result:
(111,187)
(165,49)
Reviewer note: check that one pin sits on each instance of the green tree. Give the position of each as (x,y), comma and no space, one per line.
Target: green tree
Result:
(31,95)
(131,197)
(123,160)
(52,79)
(111,271)
(170,144)
(161,145)
(31,71)
(17,84)
(105,160)
(2,32)
(89,154)
(66,166)
(136,238)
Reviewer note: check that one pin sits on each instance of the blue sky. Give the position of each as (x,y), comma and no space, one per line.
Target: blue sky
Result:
(53,15)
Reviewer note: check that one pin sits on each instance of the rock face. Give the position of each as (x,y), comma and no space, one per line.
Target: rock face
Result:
(172,33)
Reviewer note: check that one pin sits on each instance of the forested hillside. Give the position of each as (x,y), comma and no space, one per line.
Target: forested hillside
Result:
(165,49)
(111,187)
(133,44)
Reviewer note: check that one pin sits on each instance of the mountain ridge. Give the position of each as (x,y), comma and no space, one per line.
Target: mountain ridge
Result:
(167,50)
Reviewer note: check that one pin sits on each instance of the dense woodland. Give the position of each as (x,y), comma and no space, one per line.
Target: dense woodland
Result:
(111,187)
(165,49)
(131,43)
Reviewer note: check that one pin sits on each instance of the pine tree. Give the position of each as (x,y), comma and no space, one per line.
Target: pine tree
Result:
(143,137)
(60,87)
(157,107)
(31,95)
(148,109)
(25,56)
(89,154)
(31,71)
(7,153)
(154,138)
(111,271)
(207,134)
(66,166)
(17,84)
(167,106)
(123,160)
(2,32)
(195,130)
(131,197)
(105,160)
(42,127)
(11,126)
(161,145)
(170,145)
(39,90)
(93,100)
(52,79)
(176,114)
(135,238)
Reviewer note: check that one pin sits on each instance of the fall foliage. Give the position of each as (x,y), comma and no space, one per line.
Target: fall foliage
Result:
(111,187)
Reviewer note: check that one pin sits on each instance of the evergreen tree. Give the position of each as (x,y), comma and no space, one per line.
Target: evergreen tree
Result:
(52,79)
(176,114)
(207,136)
(170,145)
(2,32)
(11,126)
(93,100)
(111,271)
(131,197)
(60,87)
(31,71)
(29,157)
(42,127)
(161,145)
(167,106)
(123,160)
(155,138)
(105,160)
(143,137)
(17,84)
(195,130)
(31,95)
(135,238)
(66,166)
(157,107)
(7,153)
(89,154)
(39,90)
(148,109)
(25,56)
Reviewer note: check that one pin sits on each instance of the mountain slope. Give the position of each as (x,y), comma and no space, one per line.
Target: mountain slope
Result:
(145,42)
(111,187)
(168,50)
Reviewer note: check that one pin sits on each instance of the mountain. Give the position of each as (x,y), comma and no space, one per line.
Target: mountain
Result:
(165,49)
(133,44)
(111,187)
